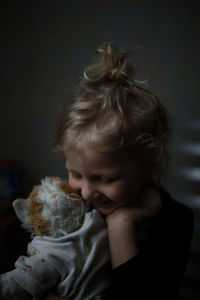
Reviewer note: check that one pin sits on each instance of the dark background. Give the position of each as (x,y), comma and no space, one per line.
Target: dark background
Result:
(44,47)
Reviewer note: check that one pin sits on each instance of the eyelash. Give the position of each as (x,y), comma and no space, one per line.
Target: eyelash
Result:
(75,175)
(102,179)
(108,180)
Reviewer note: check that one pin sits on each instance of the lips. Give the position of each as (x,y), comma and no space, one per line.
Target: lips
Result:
(100,203)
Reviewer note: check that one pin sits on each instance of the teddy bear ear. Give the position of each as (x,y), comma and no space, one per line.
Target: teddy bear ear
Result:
(21,206)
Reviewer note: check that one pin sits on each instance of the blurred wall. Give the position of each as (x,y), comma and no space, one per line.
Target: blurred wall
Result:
(46,44)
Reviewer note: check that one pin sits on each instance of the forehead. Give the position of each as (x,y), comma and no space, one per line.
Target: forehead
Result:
(92,160)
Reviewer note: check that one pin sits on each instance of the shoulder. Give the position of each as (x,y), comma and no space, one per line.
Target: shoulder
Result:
(176,210)
(175,223)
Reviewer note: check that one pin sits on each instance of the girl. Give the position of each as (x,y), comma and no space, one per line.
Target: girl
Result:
(114,136)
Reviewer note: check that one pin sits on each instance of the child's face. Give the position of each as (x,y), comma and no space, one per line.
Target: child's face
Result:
(107,180)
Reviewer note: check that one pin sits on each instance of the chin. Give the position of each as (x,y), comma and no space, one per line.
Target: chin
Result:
(106,210)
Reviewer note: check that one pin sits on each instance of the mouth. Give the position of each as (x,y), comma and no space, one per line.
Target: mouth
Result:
(98,204)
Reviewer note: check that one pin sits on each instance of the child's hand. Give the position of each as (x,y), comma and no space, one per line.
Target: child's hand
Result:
(124,224)
(147,207)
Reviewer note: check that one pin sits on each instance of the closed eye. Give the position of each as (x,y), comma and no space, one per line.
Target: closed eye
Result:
(75,175)
(97,178)
(109,179)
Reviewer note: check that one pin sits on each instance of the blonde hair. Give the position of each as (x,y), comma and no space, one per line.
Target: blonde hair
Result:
(111,111)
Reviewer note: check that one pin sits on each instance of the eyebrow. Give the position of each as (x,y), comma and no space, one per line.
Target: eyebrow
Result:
(112,172)
(102,173)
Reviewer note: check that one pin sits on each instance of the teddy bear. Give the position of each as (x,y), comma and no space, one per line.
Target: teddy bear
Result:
(68,251)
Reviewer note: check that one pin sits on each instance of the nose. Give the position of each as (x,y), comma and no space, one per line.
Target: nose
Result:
(89,191)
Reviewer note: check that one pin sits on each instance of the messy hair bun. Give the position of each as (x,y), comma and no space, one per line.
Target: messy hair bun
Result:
(111,112)
(110,64)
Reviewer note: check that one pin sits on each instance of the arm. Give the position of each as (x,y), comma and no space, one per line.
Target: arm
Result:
(123,236)
(11,290)
(128,261)
(157,264)
(124,227)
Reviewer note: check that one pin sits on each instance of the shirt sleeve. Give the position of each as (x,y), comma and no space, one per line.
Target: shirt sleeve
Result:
(34,274)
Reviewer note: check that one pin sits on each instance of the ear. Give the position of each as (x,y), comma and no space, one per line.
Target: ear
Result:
(21,206)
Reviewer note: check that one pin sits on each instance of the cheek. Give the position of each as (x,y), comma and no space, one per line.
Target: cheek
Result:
(73,183)
(123,193)
(116,193)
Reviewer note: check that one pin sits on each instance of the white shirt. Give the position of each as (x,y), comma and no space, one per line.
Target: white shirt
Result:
(79,262)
